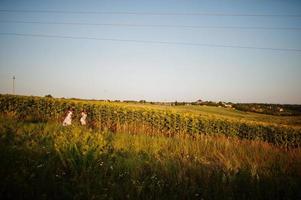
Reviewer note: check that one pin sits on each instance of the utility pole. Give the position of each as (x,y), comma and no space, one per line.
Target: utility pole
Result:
(14,78)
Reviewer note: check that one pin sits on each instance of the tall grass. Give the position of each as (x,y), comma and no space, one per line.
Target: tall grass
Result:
(48,161)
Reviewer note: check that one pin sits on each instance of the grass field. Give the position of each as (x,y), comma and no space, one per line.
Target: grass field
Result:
(48,161)
(145,151)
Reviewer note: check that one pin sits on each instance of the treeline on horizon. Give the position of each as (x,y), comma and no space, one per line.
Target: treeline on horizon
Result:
(270,109)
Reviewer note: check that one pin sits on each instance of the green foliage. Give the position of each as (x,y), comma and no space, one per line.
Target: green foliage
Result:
(48,161)
(119,117)
(271,109)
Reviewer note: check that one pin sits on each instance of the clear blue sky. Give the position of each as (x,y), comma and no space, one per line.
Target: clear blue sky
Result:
(154,72)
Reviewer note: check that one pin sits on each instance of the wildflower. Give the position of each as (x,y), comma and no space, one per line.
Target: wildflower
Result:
(39,166)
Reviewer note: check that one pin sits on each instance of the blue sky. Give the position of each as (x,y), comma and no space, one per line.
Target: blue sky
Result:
(154,72)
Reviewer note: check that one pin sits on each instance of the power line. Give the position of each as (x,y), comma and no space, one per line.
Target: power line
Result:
(14,78)
(150,13)
(153,25)
(150,42)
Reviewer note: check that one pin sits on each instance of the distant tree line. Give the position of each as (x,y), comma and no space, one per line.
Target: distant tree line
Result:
(270,109)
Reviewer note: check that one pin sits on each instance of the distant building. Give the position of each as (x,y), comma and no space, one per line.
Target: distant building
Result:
(227,105)
(199,101)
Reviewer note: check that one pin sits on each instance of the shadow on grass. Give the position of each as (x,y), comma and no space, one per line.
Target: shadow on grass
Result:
(30,170)
(26,174)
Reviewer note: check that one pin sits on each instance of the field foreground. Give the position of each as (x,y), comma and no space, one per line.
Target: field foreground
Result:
(48,161)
